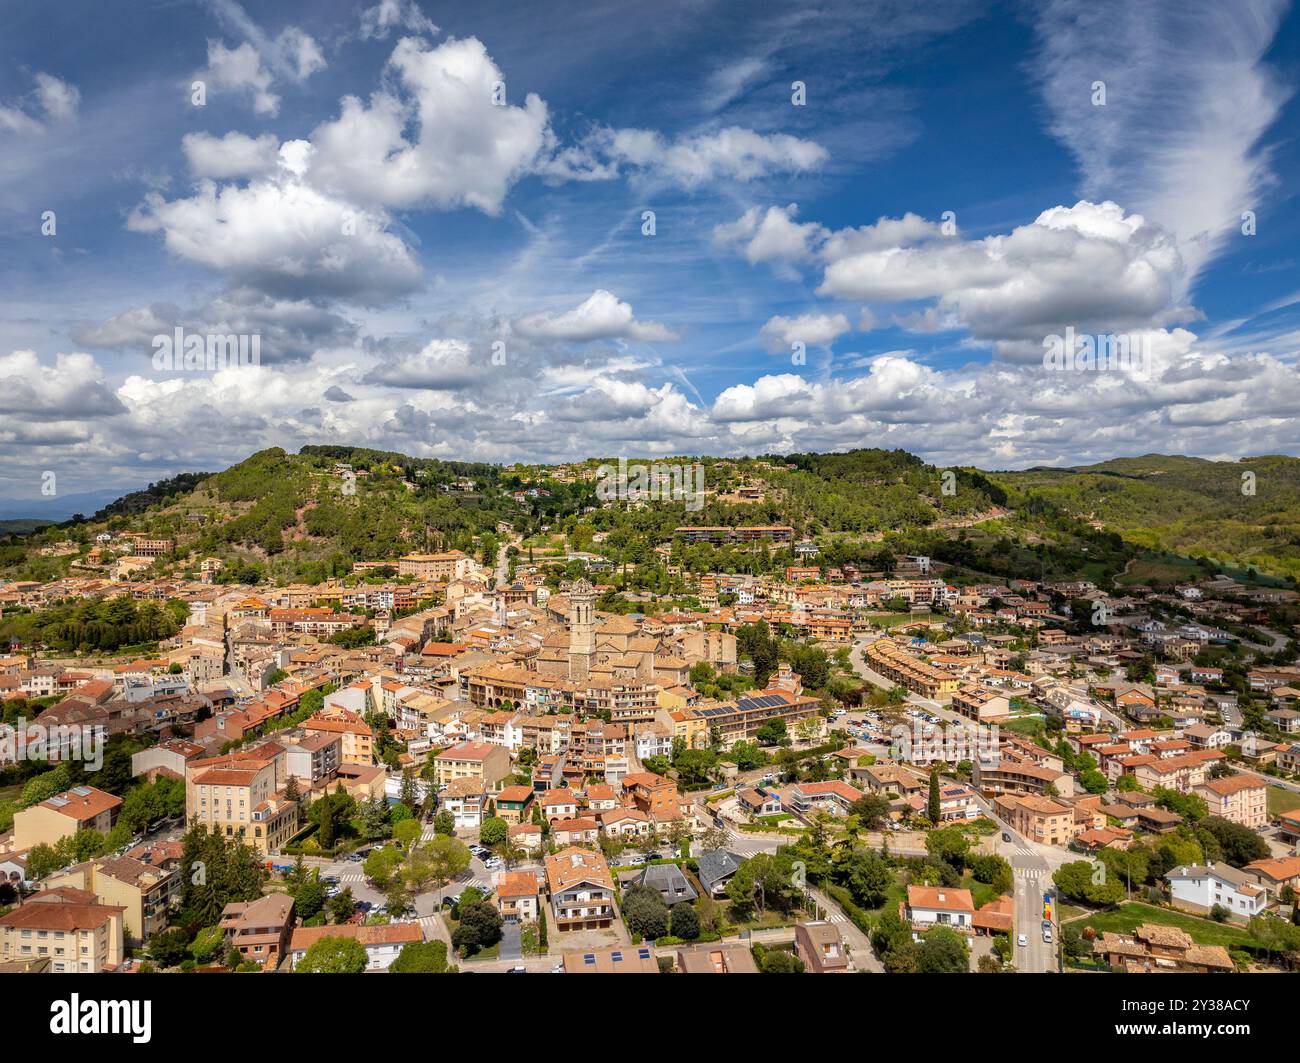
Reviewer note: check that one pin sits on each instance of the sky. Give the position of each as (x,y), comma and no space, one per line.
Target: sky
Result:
(538,232)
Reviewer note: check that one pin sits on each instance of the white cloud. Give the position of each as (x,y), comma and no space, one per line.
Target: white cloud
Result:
(73,387)
(234,155)
(467,150)
(693,160)
(813,330)
(241,70)
(379,21)
(58,98)
(601,316)
(280,235)
(440,365)
(773,236)
(1188,100)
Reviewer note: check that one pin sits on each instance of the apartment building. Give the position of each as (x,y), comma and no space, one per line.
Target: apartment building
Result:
(443,568)
(1038,818)
(740,721)
(242,796)
(980,704)
(476,760)
(66,926)
(1240,798)
(358,740)
(145,893)
(81,808)
(889,659)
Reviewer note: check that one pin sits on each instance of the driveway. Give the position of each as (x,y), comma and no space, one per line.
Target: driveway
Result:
(511,946)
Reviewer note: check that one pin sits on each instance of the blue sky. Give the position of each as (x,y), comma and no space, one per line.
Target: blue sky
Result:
(350,192)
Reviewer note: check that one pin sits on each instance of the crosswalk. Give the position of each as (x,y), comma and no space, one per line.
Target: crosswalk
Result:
(352,876)
(428,924)
(1027,872)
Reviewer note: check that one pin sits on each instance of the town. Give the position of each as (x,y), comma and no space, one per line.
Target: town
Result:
(513,758)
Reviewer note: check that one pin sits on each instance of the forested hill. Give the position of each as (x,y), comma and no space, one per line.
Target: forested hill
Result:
(309,516)
(1243,512)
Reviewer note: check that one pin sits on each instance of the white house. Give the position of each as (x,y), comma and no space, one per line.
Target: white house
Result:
(382,943)
(929,906)
(1199,888)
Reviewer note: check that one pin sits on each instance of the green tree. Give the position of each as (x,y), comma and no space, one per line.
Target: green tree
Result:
(333,955)
(685,922)
(423,957)
(494,831)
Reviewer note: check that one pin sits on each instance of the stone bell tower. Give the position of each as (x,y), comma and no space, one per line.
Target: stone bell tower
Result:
(582,629)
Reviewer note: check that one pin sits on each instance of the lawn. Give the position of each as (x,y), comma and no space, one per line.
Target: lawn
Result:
(1126,917)
(1029,726)
(981,892)
(1280,800)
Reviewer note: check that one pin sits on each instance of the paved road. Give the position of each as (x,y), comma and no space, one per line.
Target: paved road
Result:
(1036,956)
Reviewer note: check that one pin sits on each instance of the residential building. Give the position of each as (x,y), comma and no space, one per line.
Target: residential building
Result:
(928,906)
(60,816)
(66,926)
(1240,798)
(146,894)
(383,944)
(479,760)
(259,929)
(821,948)
(581,890)
(1199,888)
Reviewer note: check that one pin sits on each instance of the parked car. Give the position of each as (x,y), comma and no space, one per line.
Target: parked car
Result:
(1047,935)
(518,969)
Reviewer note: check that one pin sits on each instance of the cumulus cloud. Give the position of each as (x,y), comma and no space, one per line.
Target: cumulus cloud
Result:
(814,330)
(251,68)
(1091,266)
(241,70)
(466,150)
(441,365)
(73,387)
(601,316)
(280,235)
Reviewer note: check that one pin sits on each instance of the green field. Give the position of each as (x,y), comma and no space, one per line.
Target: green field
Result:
(1280,800)
(1127,917)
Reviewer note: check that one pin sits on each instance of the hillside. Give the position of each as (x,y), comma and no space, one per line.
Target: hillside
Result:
(1188,506)
(308,516)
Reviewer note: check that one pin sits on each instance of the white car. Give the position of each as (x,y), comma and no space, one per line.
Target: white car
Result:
(1022,941)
